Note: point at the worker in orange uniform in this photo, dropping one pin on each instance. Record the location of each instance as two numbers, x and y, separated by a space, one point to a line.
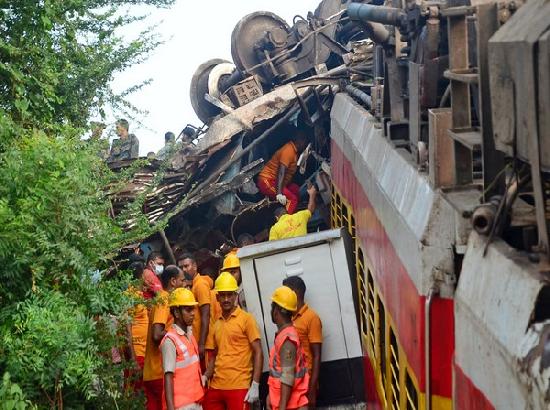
288 377
310 331
290 226
160 320
274 180
232 265
201 290
183 388
137 329
235 353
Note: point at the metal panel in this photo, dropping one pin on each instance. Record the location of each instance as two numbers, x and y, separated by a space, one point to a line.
512 59
494 303
493 160
544 98
323 267
441 148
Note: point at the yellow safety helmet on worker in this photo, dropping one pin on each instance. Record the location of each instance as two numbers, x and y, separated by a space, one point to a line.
285 298
226 283
182 297
231 261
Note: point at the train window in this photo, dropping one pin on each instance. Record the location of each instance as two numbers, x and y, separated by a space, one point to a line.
381 341
362 290
412 393
370 313
395 389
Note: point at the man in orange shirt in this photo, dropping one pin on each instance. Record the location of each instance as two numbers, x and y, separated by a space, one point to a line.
275 178
183 388
201 291
137 330
160 321
310 331
234 351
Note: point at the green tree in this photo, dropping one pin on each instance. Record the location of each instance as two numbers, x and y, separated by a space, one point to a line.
58 324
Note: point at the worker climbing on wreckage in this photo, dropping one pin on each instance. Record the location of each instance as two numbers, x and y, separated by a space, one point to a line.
293 225
275 179
183 382
288 377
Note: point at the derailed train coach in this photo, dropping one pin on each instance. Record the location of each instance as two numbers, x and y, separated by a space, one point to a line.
430 143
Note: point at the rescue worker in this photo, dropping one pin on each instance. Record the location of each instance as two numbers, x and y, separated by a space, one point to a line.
310 331
169 143
126 146
159 321
137 330
183 387
275 179
201 289
290 226
235 354
288 377
232 265
151 273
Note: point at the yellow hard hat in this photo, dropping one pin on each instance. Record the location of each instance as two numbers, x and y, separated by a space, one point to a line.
226 283
182 297
285 298
231 261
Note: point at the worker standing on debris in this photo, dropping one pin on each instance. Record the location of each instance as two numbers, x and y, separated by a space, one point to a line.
126 146
183 387
310 331
159 321
275 179
169 143
232 265
290 226
288 377
235 362
151 273
201 290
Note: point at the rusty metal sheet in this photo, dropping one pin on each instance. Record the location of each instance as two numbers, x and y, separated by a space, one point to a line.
245 118
441 148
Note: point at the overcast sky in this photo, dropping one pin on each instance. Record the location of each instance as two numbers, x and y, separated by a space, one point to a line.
195 31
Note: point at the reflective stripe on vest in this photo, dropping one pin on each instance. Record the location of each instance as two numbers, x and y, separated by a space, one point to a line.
187 374
298 396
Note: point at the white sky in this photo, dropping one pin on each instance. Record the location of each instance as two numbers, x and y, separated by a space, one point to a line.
195 31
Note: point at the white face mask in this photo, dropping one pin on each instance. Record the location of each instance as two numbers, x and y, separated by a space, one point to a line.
159 269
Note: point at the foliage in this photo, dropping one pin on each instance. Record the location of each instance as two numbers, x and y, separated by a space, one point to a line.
58 324
11 395
58 57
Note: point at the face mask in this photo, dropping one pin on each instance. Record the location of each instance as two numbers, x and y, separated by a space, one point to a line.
159 269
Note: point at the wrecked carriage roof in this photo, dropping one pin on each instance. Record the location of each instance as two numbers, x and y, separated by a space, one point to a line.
182 181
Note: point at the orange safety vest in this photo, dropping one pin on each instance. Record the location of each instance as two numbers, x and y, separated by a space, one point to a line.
298 397
187 375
